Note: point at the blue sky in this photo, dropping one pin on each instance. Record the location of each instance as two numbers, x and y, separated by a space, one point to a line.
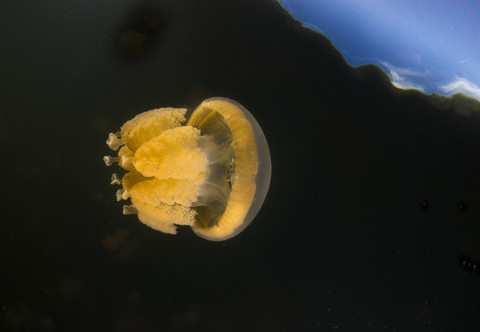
428 45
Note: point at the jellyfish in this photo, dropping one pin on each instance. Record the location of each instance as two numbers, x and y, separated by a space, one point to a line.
211 172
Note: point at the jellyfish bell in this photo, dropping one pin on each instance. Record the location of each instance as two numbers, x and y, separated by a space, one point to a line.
235 133
212 173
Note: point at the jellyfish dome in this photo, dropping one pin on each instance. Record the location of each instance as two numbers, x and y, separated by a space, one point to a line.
211 172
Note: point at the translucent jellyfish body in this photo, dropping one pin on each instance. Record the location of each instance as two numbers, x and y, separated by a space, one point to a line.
211 173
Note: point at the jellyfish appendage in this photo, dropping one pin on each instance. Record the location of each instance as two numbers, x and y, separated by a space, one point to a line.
129 209
115 179
109 160
211 174
114 141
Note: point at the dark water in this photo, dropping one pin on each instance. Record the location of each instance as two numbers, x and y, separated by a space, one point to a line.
372 221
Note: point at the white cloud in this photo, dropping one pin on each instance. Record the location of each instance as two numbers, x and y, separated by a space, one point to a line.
462 85
401 77
408 86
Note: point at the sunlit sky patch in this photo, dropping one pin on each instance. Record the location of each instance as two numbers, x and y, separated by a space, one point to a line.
431 45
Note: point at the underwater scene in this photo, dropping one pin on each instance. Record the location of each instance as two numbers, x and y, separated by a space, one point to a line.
250 165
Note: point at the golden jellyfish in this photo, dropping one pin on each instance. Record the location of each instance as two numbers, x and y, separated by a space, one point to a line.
211 173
